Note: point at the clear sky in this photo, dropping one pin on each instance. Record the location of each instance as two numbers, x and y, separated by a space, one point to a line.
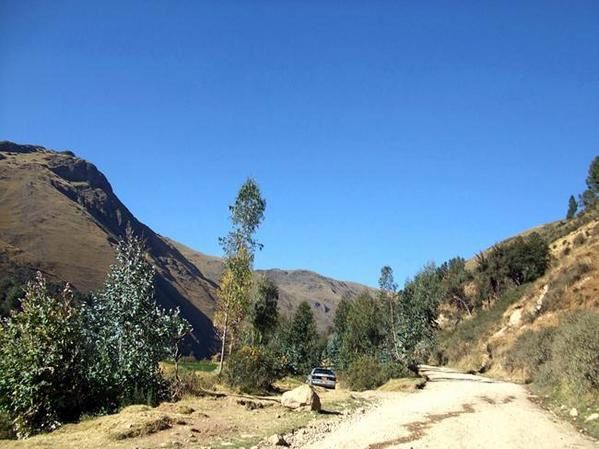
381 132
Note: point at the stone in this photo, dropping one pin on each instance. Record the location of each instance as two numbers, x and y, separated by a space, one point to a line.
573 413
277 440
302 397
592 417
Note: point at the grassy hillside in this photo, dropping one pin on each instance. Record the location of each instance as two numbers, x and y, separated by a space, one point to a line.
521 336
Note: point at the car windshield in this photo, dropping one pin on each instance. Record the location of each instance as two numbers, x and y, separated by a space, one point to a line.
323 371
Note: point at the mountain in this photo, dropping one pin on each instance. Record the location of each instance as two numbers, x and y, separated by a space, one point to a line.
60 215
321 292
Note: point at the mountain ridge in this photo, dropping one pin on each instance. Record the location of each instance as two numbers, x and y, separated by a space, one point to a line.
59 214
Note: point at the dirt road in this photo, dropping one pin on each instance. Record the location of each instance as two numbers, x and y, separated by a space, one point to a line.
456 411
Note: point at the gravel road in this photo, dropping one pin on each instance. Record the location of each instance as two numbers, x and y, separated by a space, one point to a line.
456 411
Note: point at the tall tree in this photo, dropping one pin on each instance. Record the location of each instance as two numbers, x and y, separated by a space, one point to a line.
572 207
589 196
265 315
247 213
418 312
130 333
301 340
388 296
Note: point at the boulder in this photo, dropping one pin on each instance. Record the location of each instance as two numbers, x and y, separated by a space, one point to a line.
303 397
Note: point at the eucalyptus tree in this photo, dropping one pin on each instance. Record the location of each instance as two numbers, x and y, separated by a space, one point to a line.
239 246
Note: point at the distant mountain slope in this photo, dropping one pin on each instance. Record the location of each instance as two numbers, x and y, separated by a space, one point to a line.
321 292
59 214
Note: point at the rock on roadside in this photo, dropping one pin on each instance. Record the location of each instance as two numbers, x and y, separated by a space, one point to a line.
300 398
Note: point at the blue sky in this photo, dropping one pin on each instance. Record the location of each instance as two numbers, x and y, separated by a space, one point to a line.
381 132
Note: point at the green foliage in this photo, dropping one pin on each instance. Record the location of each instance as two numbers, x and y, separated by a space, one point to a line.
365 373
360 329
42 356
589 196
516 262
530 351
11 292
264 314
6 431
572 208
252 369
563 361
60 358
298 344
574 364
454 277
132 335
417 325
247 212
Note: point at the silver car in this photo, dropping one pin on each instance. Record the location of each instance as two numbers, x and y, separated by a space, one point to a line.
322 377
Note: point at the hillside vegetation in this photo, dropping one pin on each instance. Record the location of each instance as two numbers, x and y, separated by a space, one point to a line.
544 332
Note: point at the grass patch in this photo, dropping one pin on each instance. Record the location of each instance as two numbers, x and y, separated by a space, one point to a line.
204 366
406 384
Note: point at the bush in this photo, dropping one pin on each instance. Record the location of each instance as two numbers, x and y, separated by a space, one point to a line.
530 351
42 361
251 369
6 431
367 373
574 364
563 360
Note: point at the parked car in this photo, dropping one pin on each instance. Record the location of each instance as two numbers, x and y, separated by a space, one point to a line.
322 377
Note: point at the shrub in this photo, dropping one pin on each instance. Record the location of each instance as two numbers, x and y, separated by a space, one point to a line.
42 361
365 373
6 431
579 240
574 362
530 351
251 369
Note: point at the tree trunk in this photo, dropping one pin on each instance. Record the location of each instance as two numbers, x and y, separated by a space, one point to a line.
223 343
460 300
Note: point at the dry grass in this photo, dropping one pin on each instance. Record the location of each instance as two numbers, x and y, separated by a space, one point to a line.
403 384
234 421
